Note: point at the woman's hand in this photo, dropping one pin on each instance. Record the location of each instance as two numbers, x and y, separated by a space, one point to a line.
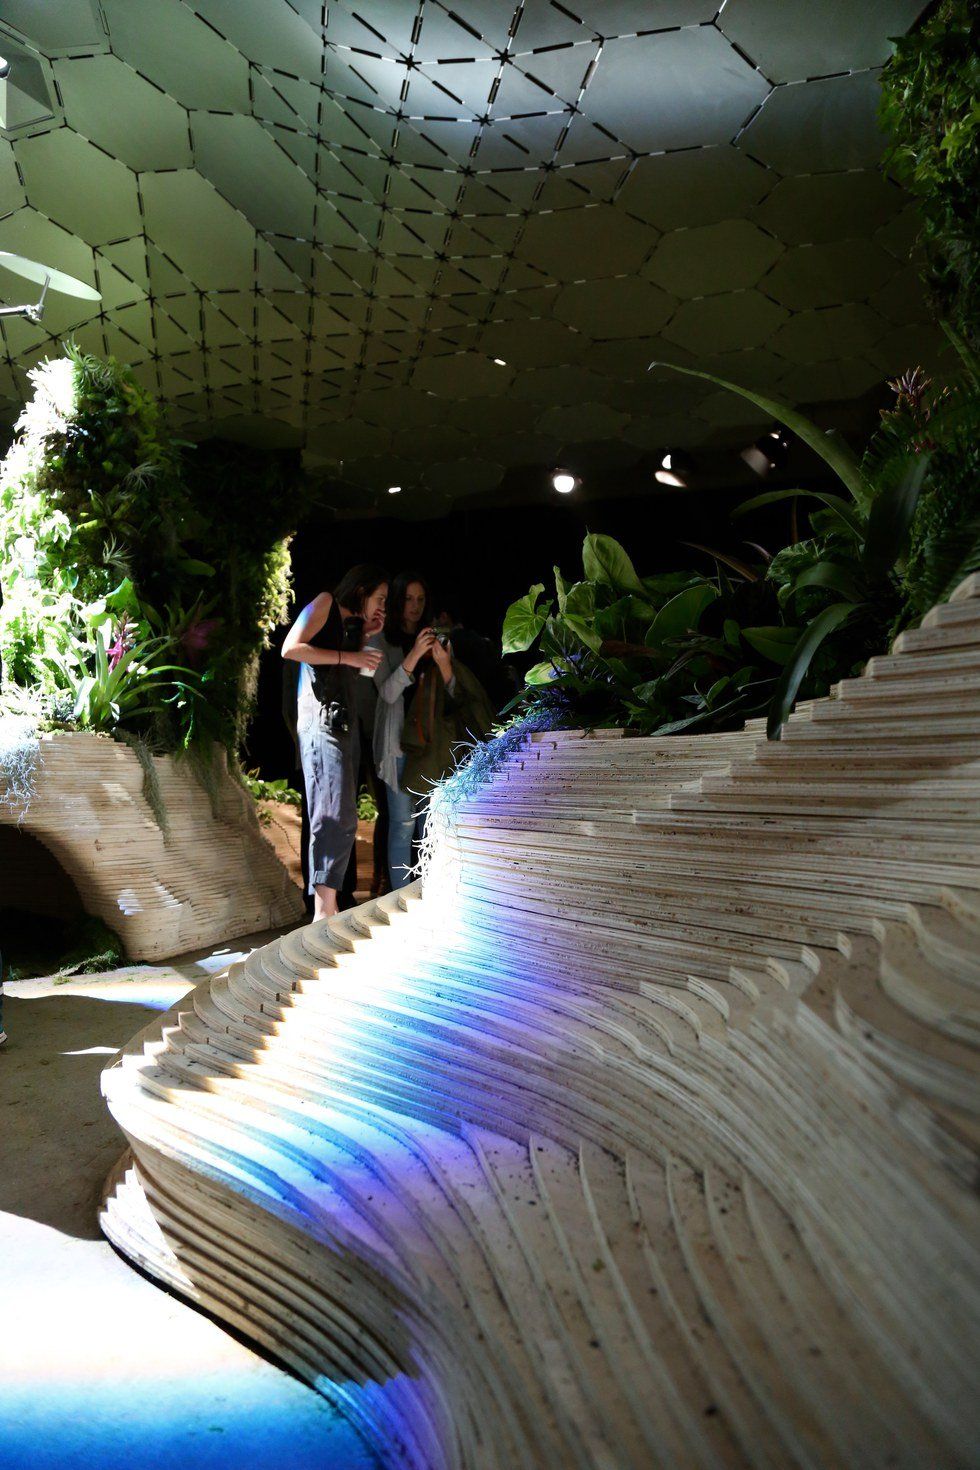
421 648
442 654
362 658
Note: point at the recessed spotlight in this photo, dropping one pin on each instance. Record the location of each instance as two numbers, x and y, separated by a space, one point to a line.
500 362
394 489
674 469
563 482
767 453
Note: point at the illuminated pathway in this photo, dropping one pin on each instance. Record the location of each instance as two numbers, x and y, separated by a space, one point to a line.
98 1368
647 1136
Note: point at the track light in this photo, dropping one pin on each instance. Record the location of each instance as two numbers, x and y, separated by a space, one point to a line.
767 453
675 469
563 482
4 68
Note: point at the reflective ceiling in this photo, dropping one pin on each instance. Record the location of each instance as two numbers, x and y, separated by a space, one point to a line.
432 241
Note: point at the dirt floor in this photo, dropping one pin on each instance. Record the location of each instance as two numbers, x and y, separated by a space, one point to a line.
282 826
98 1366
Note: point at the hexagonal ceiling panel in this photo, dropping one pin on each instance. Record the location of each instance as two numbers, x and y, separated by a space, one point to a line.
431 240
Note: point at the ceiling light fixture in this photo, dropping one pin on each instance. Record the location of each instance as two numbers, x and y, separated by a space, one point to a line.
563 482
500 362
394 489
43 276
675 469
4 68
768 453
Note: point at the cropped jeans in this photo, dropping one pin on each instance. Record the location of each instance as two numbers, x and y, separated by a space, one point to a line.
401 830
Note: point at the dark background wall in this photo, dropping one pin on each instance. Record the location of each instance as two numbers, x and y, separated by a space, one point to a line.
481 559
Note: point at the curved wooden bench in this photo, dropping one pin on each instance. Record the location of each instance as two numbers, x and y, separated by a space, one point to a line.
646 1135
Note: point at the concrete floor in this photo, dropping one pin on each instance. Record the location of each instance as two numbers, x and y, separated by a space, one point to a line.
99 1367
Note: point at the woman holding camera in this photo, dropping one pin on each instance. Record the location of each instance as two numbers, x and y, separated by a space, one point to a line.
408 642
327 641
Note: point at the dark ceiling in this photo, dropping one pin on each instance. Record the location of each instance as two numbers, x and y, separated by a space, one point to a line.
321 225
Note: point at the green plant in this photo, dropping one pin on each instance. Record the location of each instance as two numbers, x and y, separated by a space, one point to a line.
279 790
930 106
115 535
662 653
367 810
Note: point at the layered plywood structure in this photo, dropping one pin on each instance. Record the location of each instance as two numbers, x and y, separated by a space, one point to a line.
646 1135
211 877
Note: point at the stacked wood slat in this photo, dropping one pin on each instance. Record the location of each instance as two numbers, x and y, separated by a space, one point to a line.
212 876
646 1135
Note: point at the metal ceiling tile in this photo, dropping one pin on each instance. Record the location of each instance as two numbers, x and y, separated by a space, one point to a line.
535 343
818 127
582 421
28 232
461 375
205 237
244 163
624 307
270 34
144 127
53 29
461 477
79 186
564 385
169 43
712 258
12 194
572 244
698 186
673 90
843 378
817 207
725 323
829 275
903 299
833 331
835 36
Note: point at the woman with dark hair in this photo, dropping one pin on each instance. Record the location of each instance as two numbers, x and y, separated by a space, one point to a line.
327 641
408 640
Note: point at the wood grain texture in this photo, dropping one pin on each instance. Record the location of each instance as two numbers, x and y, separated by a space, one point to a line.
647 1135
213 877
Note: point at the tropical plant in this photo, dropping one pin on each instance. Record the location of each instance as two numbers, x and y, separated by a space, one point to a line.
279 790
113 535
665 653
685 650
930 106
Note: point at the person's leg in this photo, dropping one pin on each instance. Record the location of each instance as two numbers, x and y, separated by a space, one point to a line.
324 901
331 775
401 827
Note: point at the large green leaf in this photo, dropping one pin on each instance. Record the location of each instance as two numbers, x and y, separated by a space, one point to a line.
833 575
542 673
583 629
604 560
833 450
524 621
845 512
787 687
775 643
891 518
681 614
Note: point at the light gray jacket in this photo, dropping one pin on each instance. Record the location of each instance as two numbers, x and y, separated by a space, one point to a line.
391 681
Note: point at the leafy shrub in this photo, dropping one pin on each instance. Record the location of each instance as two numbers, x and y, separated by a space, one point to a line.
931 108
684 652
140 576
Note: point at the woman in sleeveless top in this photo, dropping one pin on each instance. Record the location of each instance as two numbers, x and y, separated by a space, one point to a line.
327 640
